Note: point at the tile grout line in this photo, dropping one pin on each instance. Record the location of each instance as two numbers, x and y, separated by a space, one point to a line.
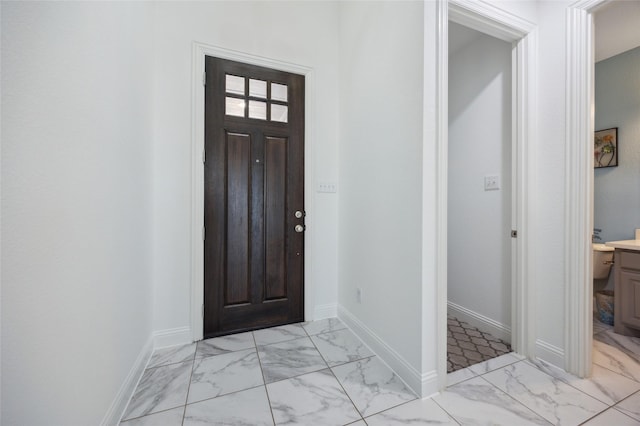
186 398
334 375
526 361
580 390
515 400
264 380
443 409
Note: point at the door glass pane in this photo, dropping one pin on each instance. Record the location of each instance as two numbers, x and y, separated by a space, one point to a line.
258 88
235 85
258 110
279 113
234 106
279 92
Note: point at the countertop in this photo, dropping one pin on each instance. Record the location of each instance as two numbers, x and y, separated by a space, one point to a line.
626 244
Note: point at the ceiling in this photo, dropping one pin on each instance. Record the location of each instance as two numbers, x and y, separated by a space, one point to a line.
460 37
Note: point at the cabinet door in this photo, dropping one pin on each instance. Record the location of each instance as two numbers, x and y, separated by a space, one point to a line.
630 299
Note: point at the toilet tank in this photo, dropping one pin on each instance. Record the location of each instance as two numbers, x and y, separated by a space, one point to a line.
602 260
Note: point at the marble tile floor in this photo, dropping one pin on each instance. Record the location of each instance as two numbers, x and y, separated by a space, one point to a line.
320 373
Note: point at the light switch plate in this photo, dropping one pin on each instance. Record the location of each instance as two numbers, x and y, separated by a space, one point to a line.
330 187
491 183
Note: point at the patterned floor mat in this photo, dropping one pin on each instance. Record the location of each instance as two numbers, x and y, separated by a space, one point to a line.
466 345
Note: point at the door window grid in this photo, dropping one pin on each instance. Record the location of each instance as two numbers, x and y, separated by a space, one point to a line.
256 99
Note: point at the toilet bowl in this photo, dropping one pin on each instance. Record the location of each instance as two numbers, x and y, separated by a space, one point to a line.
602 260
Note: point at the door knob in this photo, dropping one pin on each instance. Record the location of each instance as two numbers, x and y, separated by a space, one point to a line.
299 228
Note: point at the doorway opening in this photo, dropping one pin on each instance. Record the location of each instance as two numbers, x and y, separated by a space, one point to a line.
579 253
616 200
523 38
480 194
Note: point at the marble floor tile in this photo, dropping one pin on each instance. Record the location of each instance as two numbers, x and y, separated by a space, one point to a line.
599 327
288 359
495 363
612 417
283 333
477 402
631 406
323 326
245 408
372 386
159 389
358 423
224 344
171 417
172 355
460 376
549 397
221 374
604 384
418 412
311 399
615 359
341 346
629 345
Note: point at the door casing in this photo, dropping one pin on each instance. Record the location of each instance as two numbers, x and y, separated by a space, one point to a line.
199 51
578 255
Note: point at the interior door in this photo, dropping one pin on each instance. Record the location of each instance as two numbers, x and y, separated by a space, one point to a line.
254 197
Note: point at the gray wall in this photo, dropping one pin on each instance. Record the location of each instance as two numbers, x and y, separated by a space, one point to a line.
617 104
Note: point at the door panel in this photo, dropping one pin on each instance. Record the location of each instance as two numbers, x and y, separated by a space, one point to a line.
275 208
254 170
239 184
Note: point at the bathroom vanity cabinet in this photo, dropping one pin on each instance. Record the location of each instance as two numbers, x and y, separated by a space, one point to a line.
627 292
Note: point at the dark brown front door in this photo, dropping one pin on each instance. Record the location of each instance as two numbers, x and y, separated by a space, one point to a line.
254 197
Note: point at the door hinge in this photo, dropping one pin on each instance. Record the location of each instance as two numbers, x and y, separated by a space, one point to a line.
203 233
203 310
204 78
204 155
514 233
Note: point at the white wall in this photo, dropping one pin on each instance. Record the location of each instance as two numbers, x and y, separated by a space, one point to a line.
380 235
617 104
76 206
548 211
616 28
303 33
479 221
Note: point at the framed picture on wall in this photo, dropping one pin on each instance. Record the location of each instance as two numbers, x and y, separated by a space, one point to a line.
606 148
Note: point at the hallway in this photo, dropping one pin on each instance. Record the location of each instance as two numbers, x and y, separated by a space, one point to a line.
319 373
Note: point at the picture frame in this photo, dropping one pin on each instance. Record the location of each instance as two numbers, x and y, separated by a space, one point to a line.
605 151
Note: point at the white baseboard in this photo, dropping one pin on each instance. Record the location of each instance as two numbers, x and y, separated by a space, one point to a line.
172 337
423 384
120 402
482 323
550 353
330 310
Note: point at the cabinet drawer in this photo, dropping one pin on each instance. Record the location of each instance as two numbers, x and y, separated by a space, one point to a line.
629 260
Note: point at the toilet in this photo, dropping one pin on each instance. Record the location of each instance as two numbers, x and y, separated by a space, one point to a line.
602 260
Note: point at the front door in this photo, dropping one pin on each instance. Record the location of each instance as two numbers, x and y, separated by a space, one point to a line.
254 197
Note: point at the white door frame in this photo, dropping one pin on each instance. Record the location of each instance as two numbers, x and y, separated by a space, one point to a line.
496 22
578 253
199 51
